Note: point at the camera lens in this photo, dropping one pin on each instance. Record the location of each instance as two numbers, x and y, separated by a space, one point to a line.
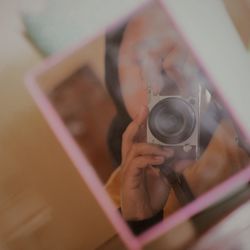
172 120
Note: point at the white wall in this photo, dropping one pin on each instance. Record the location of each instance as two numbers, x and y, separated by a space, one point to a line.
211 32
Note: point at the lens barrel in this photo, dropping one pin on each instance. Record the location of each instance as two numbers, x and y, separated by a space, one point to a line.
172 120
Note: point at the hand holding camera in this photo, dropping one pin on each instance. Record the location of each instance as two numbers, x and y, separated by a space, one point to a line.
144 191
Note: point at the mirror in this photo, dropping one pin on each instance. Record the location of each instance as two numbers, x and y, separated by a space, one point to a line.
148 118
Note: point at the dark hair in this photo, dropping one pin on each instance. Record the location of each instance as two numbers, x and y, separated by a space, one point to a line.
122 118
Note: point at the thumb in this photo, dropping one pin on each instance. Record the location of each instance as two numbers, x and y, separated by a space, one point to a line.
141 116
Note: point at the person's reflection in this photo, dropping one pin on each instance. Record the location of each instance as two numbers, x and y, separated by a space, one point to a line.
142 47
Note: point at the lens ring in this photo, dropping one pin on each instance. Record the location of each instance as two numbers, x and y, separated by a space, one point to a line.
172 120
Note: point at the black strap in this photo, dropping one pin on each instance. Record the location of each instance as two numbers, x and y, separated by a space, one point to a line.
179 184
140 226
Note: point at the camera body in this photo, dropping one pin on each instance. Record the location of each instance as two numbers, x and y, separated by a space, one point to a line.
174 121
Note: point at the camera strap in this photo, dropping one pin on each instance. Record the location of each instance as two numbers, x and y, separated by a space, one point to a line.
179 184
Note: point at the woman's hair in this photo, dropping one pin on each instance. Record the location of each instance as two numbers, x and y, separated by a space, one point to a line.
122 118
113 42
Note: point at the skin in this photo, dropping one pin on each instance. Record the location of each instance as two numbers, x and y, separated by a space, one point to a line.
140 181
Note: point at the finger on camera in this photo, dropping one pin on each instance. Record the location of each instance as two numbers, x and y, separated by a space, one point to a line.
150 149
133 128
128 137
142 115
141 162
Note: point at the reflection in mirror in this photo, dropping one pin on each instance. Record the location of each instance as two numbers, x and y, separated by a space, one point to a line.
87 111
157 134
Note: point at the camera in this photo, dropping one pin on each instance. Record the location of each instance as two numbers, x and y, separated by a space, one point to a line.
173 120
